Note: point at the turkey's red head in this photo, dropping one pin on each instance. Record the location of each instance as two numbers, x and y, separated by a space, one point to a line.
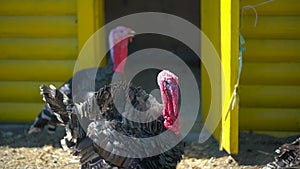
168 83
119 38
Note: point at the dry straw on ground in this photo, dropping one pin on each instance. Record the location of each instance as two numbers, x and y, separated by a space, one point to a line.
21 151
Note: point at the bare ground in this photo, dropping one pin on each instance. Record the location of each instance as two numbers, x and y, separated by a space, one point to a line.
19 150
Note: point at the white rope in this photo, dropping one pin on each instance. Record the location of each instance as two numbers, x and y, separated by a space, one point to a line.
253 7
234 97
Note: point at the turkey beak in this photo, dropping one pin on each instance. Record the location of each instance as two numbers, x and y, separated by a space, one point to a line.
132 33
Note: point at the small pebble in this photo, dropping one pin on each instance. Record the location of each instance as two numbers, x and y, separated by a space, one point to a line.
229 160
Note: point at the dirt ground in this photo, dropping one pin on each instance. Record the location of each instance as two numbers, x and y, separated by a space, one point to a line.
21 151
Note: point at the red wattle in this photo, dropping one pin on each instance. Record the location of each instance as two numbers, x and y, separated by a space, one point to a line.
175 126
171 113
120 55
168 83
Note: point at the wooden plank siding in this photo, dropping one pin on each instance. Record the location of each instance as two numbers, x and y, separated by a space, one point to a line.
220 23
270 91
39 44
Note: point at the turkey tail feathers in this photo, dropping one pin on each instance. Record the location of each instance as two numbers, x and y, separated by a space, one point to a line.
57 101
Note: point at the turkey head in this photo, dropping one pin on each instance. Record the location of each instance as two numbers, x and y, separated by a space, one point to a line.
119 38
168 83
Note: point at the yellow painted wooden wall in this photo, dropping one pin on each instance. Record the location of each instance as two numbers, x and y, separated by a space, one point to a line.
270 81
39 43
229 20
269 89
220 23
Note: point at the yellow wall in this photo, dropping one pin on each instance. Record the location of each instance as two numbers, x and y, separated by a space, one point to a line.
219 21
229 19
210 25
39 43
269 89
270 83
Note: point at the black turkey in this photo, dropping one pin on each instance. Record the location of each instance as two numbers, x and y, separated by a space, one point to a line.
121 125
288 156
118 42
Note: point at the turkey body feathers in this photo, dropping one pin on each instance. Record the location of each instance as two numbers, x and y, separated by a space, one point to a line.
288 156
109 128
79 88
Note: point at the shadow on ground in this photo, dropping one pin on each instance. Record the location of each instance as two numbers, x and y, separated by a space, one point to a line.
254 149
14 135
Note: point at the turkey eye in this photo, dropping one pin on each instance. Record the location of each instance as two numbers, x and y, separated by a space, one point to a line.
168 88
167 85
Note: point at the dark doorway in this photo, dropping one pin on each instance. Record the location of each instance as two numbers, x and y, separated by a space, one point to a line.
188 10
